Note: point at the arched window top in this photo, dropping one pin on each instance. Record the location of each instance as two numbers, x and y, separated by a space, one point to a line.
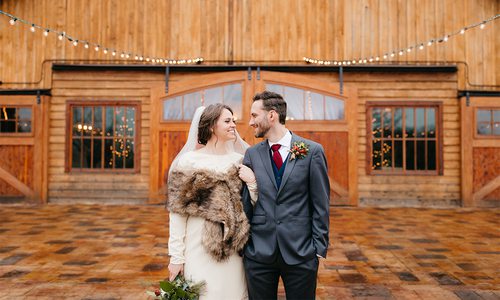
308 105
182 107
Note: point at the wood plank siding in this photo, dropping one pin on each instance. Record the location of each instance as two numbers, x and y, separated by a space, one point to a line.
246 31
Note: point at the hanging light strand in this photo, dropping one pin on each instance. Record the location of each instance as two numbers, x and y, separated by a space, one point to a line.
390 54
123 54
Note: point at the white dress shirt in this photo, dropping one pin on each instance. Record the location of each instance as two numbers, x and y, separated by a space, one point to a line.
285 143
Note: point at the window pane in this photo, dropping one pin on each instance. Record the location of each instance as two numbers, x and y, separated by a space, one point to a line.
483 115
484 128
108 153
410 155
118 153
172 109
376 122
496 115
398 123
87 153
76 154
275 88
387 115
97 127
387 155
24 113
431 155
376 155
410 122
77 121
109 121
212 96
314 106
398 155
87 121
130 121
8 126
496 128
8 113
420 155
191 103
233 98
119 121
420 122
24 126
97 161
334 109
129 156
431 122
295 103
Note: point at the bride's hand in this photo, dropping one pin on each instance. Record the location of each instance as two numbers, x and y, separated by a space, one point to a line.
246 174
174 270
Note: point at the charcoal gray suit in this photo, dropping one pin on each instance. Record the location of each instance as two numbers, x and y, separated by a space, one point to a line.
289 223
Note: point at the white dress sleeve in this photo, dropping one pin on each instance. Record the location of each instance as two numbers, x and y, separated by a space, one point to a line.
254 192
177 231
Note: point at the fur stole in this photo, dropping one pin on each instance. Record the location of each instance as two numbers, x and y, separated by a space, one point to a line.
216 197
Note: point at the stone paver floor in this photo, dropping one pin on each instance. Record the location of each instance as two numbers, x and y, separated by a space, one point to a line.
119 252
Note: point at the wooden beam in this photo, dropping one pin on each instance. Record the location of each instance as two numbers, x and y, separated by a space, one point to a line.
15 183
486 189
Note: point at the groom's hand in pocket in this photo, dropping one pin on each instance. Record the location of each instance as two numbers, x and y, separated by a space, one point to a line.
174 270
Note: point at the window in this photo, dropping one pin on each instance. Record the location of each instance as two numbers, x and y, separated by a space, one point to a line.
488 122
15 119
103 137
182 107
308 105
404 139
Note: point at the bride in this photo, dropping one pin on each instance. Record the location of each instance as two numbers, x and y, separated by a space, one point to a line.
208 226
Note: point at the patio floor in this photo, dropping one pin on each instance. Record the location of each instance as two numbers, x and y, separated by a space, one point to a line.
119 252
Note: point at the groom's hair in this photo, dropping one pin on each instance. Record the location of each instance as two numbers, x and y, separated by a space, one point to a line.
208 119
272 101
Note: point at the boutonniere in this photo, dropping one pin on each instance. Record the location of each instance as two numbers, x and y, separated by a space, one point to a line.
298 150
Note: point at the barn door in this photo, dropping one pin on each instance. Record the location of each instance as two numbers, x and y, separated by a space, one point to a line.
316 111
22 148
481 152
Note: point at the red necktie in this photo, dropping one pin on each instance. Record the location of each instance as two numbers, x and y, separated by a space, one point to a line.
277 156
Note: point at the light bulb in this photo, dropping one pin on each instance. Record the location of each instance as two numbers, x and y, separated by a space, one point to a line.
96 48
75 43
60 37
86 45
392 54
377 58
408 50
46 32
113 53
430 43
482 25
421 46
401 52
105 51
462 31
13 21
445 39
32 29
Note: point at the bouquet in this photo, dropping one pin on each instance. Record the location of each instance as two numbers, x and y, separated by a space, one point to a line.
178 289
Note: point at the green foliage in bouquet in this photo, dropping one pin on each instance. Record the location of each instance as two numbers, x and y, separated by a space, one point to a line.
178 289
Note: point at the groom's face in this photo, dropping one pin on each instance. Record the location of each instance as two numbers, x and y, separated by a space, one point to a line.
259 120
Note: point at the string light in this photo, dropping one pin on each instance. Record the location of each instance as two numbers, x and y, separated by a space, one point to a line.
402 51
87 44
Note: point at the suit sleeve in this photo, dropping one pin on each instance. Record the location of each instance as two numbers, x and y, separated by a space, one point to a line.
320 200
246 198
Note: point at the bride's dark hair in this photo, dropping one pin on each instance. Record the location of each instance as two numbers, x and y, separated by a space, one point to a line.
208 119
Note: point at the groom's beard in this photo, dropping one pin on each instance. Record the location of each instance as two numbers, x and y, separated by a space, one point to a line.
262 129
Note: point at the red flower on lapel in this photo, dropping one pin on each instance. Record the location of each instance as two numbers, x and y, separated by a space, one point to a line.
298 150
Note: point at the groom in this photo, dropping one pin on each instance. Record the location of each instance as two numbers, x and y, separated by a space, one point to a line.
289 223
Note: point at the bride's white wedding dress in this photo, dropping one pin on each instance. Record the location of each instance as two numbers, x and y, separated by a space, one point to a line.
224 280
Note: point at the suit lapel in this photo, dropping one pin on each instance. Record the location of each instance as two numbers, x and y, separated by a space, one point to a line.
266 161
288 167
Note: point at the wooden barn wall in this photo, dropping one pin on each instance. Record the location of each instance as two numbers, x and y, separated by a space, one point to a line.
397 190
98 187
273 31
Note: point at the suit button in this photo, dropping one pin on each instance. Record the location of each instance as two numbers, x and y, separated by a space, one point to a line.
279 222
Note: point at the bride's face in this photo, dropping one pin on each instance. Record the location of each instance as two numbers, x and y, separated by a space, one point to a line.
225 127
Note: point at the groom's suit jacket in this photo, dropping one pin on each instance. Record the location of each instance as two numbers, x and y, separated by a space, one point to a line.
292 219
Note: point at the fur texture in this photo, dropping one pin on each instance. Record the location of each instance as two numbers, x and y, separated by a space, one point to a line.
216 197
